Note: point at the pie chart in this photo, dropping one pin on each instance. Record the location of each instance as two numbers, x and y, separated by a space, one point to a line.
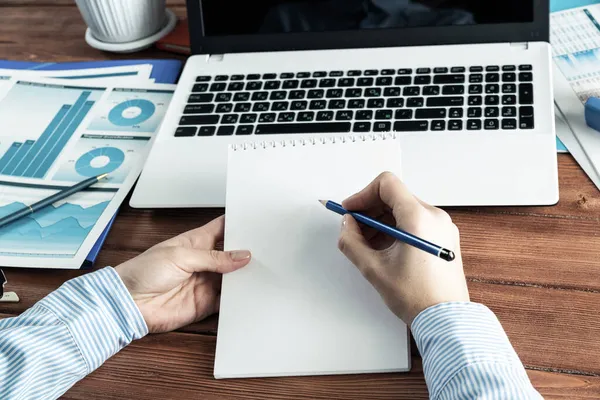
99 161
131 112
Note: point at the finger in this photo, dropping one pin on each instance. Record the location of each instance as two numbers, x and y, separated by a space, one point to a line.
198 260
355 247
385 190
205 237
217 304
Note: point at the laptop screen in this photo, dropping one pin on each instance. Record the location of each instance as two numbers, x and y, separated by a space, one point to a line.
231 17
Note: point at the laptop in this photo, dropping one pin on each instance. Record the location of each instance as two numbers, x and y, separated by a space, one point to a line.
465 84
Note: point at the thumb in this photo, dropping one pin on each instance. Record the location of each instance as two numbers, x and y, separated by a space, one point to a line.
355 247
194 260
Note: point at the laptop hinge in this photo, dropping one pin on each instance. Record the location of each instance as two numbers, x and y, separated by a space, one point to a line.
212 58
519 46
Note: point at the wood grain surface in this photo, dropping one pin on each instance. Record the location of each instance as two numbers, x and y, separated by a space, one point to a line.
537 268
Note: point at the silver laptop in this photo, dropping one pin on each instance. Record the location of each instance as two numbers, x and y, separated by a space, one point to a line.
465 84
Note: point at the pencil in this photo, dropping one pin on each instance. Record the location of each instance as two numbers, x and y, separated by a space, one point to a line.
28 210
396 233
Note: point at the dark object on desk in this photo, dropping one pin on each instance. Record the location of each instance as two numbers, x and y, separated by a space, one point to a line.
2 283
396 233
178 41
50 200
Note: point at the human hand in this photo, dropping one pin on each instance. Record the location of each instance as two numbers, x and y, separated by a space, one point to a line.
178 281
408 279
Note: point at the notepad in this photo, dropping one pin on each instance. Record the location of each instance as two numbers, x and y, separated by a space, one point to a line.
300 307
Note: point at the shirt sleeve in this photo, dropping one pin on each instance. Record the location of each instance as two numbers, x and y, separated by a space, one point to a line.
66 336
467 355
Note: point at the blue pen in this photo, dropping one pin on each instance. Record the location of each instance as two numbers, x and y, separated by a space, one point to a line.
404 237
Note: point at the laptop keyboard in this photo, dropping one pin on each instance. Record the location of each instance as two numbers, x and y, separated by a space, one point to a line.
489 97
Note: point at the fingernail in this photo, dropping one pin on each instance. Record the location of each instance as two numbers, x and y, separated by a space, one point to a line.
344 222
239 255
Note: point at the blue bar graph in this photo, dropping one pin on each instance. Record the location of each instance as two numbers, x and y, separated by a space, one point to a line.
33 159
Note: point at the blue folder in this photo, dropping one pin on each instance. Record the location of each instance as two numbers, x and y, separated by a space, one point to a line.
163 71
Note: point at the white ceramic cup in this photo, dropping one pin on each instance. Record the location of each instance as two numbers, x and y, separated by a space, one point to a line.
122 21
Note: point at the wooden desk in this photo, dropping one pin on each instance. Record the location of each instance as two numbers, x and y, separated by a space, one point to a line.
538 268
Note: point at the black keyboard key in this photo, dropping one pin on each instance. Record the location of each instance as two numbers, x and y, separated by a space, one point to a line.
267 117
492 100
371 72
509 88
422 80
492 68
453 89
260 96
509 112
346 82
278 95
525 76
411 126
318 105
387 72
509 99
375 103
362 127
225 130
475 100
201 98
373 92
417 101
404 114
440 70
362 115
200 88
244 130
395 103
491 124
475 89
297 128
509 68
326 83
438 125
509 77
382 126
279 106
253 77
411 91
402 80
235 86
392 91
336 73
207 130
299 105
199 120
272 85
383 81
404 71
447 101
297 95
431 91
224 108
492 112
383 114
423 70
344 115
509 123
455 125
221 78
476 78
525 93
248 118
492 77
325 116
315 94
356 103
455 113
526 117
430 113
241 96
319 74
243 107
203 78
526 67
199 109
218 87
302 75
306 116
492 88
364 82
354 72
474 124
337 104
448 79
286 75
254 85
261 106
269 76
286 117
309 83
334 93
476 69
291 84
353 92
474 112
457 70
223 97
230 119
183 131
237 77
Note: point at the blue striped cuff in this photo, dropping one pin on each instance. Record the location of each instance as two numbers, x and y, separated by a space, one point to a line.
456 335
99 313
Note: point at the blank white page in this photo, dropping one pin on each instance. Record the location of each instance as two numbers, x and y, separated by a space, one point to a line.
300 307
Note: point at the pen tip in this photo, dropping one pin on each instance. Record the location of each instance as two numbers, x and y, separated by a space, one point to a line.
103 176
324 202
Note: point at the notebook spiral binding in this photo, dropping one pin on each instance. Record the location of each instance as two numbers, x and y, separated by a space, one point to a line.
314 141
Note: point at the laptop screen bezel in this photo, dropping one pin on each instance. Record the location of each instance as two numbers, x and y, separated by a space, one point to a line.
538 30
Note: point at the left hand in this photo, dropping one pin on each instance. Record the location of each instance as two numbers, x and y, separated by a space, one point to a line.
178 281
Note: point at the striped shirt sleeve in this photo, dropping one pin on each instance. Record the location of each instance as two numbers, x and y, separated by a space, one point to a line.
467 355
67 335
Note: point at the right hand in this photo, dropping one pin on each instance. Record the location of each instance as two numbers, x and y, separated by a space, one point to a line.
408 279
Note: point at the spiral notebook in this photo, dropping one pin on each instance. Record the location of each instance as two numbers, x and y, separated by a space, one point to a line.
300 307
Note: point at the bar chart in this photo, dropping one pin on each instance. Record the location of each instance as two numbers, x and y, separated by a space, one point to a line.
33 157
